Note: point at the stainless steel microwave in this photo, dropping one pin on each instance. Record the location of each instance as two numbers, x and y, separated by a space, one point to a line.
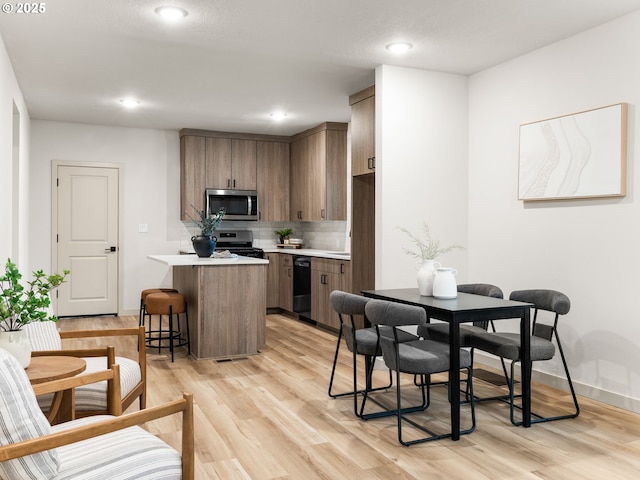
238 204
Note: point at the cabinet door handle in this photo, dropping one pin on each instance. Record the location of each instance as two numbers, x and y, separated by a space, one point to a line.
228 183
322 213
342 268
234 183
299 214
369 163
289 272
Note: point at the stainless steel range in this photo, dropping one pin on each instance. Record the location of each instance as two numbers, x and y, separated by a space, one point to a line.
239 242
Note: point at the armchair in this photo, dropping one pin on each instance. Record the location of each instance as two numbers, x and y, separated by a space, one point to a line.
92 399
89 448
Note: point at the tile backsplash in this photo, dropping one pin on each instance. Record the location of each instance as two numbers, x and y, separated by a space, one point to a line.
328 235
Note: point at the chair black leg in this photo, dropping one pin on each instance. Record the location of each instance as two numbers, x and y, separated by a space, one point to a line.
540 418
427 400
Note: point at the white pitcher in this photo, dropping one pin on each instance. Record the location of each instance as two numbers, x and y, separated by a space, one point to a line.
444 283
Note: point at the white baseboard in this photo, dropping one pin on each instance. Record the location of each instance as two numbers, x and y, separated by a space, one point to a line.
588 391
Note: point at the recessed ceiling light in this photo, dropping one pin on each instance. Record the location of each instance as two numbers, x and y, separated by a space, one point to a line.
171 13
129 102
399 47
278 115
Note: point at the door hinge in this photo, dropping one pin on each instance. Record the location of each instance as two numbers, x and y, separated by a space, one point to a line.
57 182
57 238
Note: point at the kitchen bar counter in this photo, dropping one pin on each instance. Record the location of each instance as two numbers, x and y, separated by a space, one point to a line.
226 301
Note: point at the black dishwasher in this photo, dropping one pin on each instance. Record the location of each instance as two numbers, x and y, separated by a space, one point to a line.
302 287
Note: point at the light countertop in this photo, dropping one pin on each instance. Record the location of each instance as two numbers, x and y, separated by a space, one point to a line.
186 260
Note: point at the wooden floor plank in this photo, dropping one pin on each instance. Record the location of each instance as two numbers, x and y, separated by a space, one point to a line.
268 417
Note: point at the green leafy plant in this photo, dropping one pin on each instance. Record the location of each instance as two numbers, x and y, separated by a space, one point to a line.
285 232
20 305
428 247
207 223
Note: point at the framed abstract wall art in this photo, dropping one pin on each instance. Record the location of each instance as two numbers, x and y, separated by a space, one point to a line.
582 155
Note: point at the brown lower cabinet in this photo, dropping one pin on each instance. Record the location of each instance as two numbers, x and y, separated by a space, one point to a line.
273 280
285 282
327 274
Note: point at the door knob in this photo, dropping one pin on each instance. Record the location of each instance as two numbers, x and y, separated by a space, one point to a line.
110 249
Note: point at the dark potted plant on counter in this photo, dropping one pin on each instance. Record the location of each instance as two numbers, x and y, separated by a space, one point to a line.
21 305
205 243
283 234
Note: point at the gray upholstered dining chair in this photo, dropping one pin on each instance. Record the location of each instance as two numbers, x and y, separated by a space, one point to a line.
507 345
418 357
360 340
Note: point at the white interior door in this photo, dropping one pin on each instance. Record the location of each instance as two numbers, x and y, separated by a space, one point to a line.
87 239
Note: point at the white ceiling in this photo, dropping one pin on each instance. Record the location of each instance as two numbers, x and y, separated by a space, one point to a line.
230 63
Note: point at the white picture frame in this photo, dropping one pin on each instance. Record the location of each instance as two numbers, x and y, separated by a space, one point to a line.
582 155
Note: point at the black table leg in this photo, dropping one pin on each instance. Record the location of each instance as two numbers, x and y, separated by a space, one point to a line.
454 377
525 336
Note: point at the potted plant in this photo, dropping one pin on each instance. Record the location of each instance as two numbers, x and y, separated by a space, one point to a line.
283 234
428 250
205 243
20 305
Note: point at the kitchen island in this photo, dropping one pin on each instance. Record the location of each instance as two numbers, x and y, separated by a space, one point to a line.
226 301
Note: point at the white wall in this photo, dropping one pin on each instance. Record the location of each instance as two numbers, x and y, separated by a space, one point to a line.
421 168
14 194
151 183
587 249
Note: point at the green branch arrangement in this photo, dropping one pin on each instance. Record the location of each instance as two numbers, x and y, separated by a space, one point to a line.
428 247
19 305
207 223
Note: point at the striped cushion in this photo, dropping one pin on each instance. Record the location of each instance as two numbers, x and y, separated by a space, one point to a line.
94 396
43 336
132 453
21 419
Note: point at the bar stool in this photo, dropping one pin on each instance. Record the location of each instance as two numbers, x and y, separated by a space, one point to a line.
169 304
143 297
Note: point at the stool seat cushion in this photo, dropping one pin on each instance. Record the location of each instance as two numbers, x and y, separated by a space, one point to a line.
149 291
164 302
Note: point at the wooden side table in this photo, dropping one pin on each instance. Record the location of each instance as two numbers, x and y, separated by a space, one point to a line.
48 368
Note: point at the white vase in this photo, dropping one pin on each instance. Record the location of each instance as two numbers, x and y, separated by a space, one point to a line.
425 277
17 343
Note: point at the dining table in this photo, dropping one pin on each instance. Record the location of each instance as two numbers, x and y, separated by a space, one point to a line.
465 308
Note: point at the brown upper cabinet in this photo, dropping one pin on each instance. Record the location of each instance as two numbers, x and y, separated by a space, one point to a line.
192 174
231 164
228 160
318 173
273 181
363 126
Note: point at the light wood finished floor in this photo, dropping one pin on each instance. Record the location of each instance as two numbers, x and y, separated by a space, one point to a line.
269 417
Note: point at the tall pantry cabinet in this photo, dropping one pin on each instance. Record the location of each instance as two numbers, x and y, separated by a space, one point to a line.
363 189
